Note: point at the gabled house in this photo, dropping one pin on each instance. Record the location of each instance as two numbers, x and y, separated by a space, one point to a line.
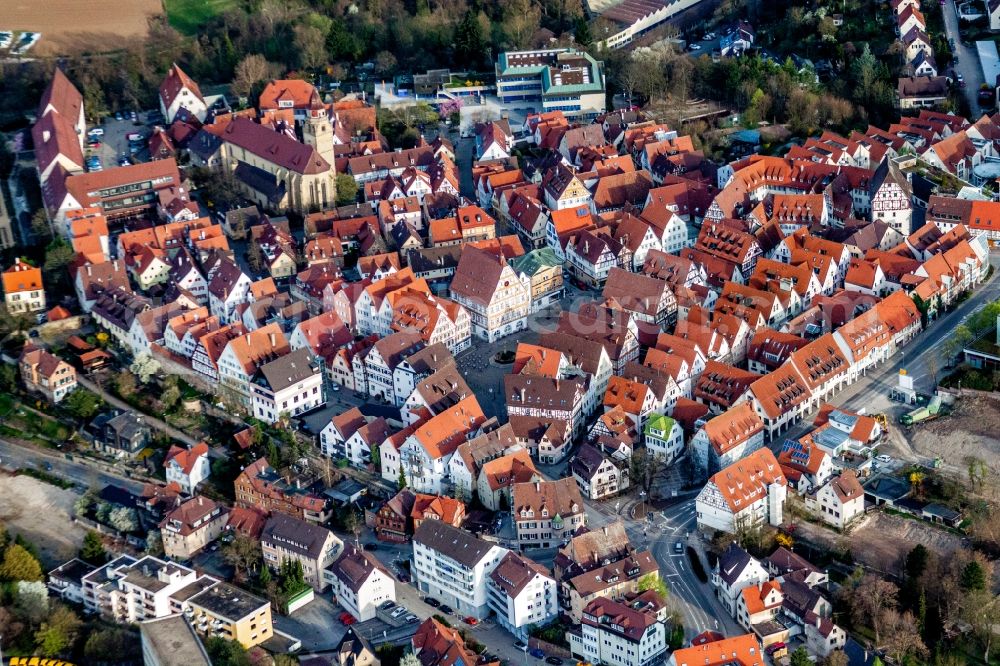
598 476
547 513
46 373
748 493
735 571
727 438
179 91
522 594
188 467
498 476
839 501
497 300
360 583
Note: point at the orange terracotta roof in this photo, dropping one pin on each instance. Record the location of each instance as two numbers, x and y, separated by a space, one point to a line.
746 480
736 651
186 458
733 427
21 277
443 433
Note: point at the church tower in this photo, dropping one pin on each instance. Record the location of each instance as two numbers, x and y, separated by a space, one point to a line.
317 130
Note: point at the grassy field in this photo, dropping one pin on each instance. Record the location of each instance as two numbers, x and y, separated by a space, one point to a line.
187 16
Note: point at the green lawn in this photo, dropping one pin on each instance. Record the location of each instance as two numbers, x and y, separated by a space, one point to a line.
187 16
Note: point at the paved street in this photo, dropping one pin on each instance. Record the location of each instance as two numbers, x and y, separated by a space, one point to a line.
88 475
968 58
872 392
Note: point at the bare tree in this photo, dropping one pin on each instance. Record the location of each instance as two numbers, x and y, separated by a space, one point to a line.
249 72
872 598
902 638
982 612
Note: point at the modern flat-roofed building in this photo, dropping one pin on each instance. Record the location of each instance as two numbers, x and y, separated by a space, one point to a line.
229 612
564 80
171 641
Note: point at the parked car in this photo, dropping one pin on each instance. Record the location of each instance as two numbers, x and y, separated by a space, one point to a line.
884 458
119 116
520 645
346 619
679 548
537 653
471 621
432 602
404 578
399 611
386 605
447 610
555 661
695 47
410 619
370 546
96 131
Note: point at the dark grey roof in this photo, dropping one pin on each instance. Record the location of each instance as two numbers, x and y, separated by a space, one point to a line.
72 571
799 597
942 512
887 487
433 259
228 602
586 462
733 562
128 424
119 307
453 542
205 144
783 561
262 181
288 370
295 535
352 648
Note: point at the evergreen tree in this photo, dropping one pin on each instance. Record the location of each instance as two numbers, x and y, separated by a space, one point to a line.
582 33
265 576
973 577
93 548
401 481
469 43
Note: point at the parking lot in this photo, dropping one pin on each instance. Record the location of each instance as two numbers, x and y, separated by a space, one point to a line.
115 142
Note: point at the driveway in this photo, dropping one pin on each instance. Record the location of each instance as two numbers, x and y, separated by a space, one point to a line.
968 59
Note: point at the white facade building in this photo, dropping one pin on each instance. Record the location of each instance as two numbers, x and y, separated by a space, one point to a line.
360 583
453 566
522 593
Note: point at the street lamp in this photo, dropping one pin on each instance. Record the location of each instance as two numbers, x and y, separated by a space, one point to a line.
642 503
